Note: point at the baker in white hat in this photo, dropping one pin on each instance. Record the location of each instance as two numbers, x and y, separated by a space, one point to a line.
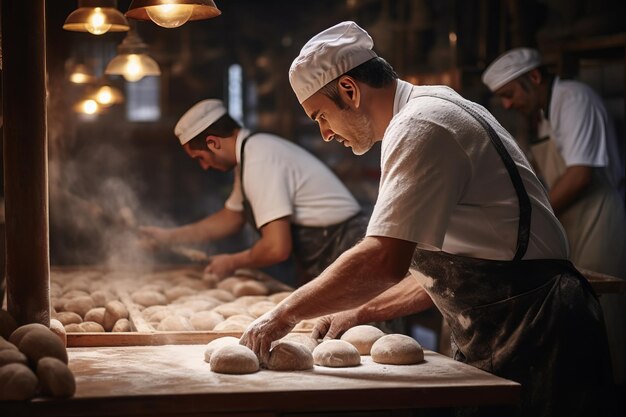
461 210
298 205
577 153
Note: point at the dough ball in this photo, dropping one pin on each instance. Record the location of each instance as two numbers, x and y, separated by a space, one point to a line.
227 284
5 344
177 292
95 314
55 378
279 296
234 359
38 343
7 324
249 288
200 305
73 328
260 308
148 298
215 344
68 295
249 300
230 326
362 337
175 323
68 317
219 294
8 356
122 325
397 349
306 325
113 311
101 298
57 328
230 309
205 320
20 332
290 356
303 339
79 305
336 354
58 303
17 382
91 327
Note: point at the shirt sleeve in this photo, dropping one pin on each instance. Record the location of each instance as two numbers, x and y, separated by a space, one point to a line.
580 132
424 171
235 200
270 190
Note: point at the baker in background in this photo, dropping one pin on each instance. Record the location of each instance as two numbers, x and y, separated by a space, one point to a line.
579 158
297 204
460 208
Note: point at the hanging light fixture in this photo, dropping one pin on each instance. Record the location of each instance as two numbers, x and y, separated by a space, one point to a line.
87 107
106 95
132 61
172 13
96 17
81 75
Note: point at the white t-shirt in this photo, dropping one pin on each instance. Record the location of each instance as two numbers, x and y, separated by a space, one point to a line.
444 186
282 179
582 130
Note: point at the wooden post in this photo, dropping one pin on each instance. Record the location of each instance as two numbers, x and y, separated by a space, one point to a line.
25 160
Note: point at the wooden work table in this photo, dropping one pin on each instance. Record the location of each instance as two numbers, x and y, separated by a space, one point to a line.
174 380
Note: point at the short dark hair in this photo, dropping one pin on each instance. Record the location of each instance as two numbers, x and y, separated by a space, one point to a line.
525 82
223 128
376 73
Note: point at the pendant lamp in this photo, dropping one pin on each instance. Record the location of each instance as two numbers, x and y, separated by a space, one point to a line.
132 61
96 17
172 13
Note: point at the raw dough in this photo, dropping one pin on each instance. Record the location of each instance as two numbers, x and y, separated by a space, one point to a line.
68 317
397 349
113 311
336 354
17 382
79 305
91 327
205 320
122 325
215 344
21 331
95 314
55 378
38 343
260 308
148 298
175 323
12 356
5 344
362 337
234 359
302 338
249 288
290 356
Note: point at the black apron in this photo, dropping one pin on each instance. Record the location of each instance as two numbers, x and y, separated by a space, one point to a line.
536 322
314 248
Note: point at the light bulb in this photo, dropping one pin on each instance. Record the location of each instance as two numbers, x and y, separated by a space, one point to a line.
97 22
104 95
89 106
133 70
170 15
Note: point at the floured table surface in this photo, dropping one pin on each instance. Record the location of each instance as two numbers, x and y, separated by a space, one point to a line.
174 380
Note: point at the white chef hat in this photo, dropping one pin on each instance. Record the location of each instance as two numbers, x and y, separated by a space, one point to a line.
200 116
327 55
509 66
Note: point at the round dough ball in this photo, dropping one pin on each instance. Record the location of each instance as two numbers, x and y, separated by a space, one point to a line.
113 311
200 305
290 356
68 317
306 325
303 339
249 300
215 344
249 288
101 298
362 337
57 328
260 308
122 325
227 284
175 323
20 332
73 328
336 354
5 344
7 324
221 295
55 378
79 305
205 320
68 295
234 359
230 326
17 382
95 314
279 296
38 343
8 356
148 298
230 309
91 327
177 292
397 349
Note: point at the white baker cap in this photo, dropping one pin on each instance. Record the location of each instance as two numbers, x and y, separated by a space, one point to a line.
200 116
509 66
327 55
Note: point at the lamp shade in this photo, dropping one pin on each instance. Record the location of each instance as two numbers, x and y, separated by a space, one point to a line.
132 61
172 13
96 17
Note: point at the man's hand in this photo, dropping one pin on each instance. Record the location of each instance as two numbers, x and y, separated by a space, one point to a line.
263 331
221 266
151 237
333 325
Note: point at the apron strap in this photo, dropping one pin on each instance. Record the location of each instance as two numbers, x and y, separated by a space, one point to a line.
248 213
523 228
